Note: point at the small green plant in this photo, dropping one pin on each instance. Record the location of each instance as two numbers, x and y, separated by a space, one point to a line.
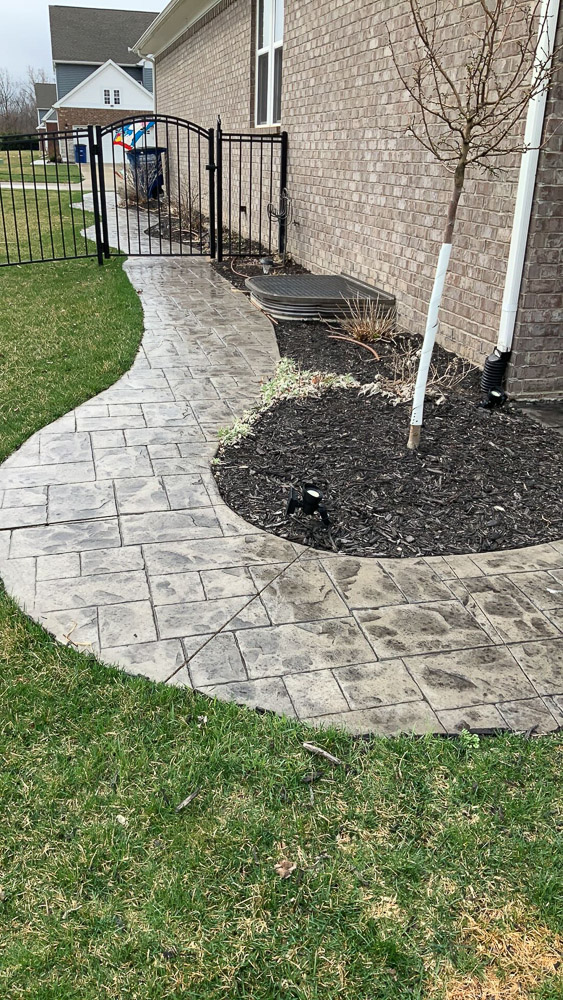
289 382
239 429
469 741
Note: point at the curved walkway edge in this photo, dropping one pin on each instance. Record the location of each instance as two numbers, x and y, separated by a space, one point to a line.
114 537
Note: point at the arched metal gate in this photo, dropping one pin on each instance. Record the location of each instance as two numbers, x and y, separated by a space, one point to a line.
157 186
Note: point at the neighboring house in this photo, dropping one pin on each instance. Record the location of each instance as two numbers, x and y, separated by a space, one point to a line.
82 38
45 97
367 199
121 95
98 79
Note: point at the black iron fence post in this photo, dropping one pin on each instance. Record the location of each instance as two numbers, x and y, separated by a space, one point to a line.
212 171
102 186
93 172
219 172
282 230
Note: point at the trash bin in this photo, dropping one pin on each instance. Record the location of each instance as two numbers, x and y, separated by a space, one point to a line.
145 165
80 153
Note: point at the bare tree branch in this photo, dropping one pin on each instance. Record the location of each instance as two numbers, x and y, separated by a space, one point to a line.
468 111
17 102
477 102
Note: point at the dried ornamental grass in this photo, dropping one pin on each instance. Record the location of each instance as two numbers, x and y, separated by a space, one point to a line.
369 320
399 386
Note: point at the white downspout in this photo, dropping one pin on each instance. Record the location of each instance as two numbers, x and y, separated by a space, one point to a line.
527 180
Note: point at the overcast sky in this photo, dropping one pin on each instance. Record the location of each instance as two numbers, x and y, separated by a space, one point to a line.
24 30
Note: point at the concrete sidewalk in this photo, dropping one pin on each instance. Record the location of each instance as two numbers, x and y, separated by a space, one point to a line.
115 538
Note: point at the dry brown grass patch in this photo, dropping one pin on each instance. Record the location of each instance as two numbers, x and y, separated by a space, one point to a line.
520 957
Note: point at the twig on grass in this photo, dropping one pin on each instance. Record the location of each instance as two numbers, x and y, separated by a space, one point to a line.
322 753
189 798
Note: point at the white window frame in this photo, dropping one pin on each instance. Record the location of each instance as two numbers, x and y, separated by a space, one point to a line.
268 48
117 97
107 97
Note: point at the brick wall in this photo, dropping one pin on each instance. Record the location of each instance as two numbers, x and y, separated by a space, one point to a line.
76 117
367 199
537 362
207 71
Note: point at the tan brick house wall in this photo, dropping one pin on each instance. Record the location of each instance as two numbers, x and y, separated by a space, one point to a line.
367 199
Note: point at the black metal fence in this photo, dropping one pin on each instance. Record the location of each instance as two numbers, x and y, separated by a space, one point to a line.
157 186
251 179
42 211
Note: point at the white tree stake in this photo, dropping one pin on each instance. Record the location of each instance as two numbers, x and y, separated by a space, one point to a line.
428 345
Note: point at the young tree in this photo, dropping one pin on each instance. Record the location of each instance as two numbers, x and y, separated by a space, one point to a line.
17 101
470 115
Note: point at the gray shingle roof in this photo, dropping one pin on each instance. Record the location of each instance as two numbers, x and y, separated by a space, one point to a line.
45 94
88 34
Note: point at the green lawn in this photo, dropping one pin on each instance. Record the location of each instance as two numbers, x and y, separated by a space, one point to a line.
28 167
37 225
67 331
425 869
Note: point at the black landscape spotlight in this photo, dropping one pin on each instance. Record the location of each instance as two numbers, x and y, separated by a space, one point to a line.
495 397
310 502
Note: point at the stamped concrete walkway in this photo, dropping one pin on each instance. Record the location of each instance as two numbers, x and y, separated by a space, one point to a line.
115 538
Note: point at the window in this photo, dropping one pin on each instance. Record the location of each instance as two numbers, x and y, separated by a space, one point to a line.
107 98
269 55
116 97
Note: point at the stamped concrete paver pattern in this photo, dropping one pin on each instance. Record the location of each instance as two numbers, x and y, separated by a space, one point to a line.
113 536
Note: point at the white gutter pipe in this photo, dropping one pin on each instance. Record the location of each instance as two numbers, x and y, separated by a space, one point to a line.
527 180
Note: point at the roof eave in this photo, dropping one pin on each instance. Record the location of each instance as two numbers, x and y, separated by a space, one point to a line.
88 62
170 24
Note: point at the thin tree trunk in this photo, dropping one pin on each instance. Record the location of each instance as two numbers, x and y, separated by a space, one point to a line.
417 413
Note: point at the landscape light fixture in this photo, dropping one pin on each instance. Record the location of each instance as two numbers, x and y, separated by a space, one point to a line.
495 397
267 264
310 502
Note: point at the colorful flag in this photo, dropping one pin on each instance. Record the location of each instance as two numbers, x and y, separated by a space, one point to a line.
130 135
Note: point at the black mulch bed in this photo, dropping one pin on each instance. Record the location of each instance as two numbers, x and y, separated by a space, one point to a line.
176 229
313 346
481 481
237 270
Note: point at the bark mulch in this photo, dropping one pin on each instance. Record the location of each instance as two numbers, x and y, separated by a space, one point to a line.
237 270
482 480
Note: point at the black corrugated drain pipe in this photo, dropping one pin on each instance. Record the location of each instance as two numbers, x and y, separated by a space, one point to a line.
494 370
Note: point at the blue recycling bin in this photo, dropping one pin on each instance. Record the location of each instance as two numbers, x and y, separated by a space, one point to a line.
80 153
146 167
